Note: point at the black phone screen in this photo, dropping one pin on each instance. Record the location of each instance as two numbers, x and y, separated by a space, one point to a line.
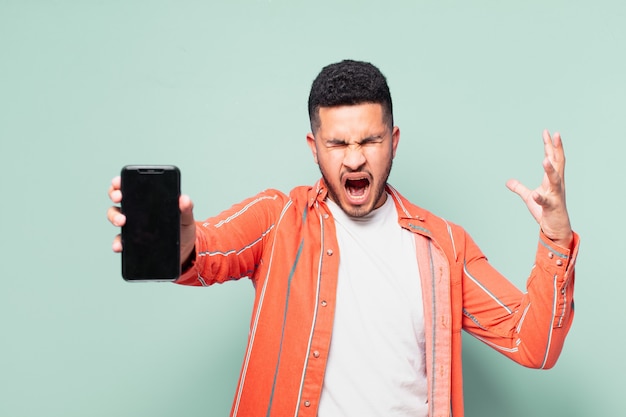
151 235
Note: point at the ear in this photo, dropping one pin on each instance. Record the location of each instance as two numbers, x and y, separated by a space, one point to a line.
310 140
395 139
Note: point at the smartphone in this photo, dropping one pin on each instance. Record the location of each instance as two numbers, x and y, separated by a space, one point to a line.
151 235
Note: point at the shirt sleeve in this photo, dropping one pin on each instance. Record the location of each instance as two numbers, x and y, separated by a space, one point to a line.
230 245
528 326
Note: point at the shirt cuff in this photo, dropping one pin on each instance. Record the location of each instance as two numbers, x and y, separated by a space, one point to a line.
556 259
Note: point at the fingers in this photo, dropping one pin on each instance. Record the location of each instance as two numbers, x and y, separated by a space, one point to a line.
117 244
114 190
548 146
555 177
553 148
526 194
553 165
114 214
529 197
547 202
539 199
116 217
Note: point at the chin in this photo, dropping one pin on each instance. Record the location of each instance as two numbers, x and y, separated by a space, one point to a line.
356 211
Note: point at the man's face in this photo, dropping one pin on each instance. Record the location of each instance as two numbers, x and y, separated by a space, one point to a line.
354 148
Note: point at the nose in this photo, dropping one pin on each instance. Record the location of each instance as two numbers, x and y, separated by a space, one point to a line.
353 157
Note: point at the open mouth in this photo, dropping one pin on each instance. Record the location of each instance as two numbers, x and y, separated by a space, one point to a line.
357 189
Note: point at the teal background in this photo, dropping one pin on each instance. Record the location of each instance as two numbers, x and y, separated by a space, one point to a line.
219 89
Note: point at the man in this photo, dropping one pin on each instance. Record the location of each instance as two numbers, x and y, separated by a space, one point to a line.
360 294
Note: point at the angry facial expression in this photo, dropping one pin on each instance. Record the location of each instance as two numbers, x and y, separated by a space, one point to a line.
354 148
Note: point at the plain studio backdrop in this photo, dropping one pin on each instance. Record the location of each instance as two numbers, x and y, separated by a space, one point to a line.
219 89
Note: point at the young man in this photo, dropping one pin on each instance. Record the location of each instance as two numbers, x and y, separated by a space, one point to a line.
361 295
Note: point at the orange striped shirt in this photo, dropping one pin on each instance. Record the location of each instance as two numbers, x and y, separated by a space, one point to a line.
286 245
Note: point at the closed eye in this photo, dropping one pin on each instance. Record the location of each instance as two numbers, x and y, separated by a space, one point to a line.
336 143
371 140
339 143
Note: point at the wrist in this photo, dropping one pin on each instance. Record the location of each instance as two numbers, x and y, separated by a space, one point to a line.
188 260
564 241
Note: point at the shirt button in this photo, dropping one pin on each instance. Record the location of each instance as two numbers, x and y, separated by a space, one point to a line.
559 262
550 255
326 216
329 252
316 354
324 303
307 403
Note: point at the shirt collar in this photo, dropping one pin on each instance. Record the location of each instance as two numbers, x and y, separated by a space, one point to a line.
410 217
318 192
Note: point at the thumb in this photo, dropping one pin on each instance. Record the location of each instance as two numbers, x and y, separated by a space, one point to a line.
187 227
518 188
186 210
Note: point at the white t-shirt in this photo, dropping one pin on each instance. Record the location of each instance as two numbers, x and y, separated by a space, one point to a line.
376 363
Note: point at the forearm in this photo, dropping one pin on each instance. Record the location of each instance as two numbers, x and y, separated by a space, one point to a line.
229 246
527 326
550 292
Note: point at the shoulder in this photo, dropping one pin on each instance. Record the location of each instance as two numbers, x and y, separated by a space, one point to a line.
447 234
408 209
275 199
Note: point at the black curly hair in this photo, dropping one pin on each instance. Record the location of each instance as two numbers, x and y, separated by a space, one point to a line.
348 83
